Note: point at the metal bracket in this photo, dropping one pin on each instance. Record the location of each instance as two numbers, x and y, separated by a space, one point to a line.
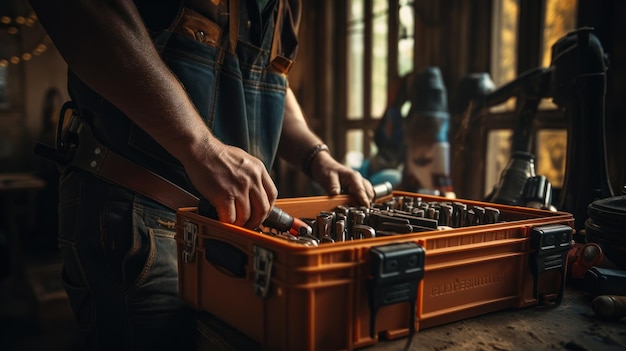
262 266
190 237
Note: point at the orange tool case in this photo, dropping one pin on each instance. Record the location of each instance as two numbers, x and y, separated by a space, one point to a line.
347 295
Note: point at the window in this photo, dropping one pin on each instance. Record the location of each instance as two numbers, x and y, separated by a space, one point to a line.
406 37
504 39
387 39
550 143
367 73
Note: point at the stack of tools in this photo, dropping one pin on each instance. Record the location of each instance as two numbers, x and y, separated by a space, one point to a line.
599 262
607 289
605 226
396 216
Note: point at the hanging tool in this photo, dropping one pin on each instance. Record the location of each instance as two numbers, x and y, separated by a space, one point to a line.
579 86
427 164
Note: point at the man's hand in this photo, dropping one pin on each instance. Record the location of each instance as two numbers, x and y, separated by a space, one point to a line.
234 182
334 177
297 139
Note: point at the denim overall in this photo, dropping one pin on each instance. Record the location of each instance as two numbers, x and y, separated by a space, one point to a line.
118 247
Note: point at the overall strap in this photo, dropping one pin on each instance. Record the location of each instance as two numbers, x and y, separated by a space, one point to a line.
233 24
278 62
278 25
233 27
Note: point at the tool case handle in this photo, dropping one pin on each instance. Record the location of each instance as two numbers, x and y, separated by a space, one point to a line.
226 257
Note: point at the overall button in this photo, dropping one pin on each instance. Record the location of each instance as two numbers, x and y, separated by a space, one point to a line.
199 36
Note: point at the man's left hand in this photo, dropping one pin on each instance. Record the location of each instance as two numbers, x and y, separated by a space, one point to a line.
335 177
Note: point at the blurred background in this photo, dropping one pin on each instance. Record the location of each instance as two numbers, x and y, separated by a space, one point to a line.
399 90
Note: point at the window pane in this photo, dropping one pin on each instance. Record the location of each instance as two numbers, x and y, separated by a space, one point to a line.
504 55
380 57
354 148
560 19
551 155
504 52
498 155
406 35
355 60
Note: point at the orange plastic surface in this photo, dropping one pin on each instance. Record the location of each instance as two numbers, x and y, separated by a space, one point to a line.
317 297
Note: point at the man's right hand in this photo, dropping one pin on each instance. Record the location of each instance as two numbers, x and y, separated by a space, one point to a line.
234 182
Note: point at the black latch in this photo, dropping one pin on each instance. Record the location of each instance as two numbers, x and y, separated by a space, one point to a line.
605 281
396 272
551 244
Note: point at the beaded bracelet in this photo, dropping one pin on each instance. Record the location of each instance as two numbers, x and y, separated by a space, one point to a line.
308 159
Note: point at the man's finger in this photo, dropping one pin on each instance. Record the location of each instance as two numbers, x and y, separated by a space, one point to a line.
369 189
243 211
362 196
227 211
260 207
334 185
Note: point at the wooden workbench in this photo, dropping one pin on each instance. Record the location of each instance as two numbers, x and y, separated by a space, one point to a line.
572 325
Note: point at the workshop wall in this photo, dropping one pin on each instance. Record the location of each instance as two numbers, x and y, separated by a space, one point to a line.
32 68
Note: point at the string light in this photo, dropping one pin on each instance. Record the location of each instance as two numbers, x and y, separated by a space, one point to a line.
14 29
18 21
26 56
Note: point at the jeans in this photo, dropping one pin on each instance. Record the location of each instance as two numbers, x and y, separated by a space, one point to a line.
120 267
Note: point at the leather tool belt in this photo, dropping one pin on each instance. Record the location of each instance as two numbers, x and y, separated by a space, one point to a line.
77 147
95 158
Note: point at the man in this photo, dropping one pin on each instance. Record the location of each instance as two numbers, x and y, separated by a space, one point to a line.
196 92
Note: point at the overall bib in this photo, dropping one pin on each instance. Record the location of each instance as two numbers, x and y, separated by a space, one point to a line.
118 247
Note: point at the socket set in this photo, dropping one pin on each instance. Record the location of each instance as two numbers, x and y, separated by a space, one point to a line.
395 216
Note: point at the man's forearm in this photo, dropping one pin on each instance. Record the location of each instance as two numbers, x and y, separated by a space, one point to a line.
107 46
296 138
296 143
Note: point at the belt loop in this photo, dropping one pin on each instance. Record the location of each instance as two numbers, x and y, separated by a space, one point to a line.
233 24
